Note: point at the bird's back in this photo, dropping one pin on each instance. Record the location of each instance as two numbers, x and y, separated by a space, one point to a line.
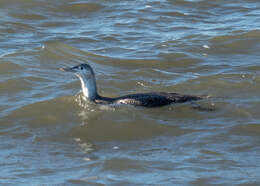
152 99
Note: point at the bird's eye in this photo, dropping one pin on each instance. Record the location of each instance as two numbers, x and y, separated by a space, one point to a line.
81 68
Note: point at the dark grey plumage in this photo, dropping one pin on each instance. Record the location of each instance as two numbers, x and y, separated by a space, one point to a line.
151 99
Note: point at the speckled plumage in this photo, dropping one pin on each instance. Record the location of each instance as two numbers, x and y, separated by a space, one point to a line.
151 99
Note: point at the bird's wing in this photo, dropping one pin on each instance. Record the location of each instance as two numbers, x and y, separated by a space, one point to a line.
152 99
146 99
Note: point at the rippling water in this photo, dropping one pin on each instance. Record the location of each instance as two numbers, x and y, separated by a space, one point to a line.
49 135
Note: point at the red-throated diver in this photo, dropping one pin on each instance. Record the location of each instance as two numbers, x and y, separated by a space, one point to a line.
153 99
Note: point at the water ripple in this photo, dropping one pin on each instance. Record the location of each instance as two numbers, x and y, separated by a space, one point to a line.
188 46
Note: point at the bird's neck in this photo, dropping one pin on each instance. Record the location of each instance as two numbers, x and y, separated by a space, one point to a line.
89 88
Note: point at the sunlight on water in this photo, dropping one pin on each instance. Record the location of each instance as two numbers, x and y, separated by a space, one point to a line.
49 133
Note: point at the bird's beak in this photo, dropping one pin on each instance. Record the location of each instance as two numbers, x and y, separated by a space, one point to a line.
67 70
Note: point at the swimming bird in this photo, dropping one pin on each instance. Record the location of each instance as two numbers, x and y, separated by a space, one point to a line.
152 99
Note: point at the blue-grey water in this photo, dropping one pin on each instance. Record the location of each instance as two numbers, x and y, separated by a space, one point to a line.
50 135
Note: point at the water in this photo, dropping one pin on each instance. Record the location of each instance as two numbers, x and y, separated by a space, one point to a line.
49 135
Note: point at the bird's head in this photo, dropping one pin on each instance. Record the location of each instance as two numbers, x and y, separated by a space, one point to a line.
82 70
87 77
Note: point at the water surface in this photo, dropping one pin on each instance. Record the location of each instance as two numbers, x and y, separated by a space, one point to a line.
49 135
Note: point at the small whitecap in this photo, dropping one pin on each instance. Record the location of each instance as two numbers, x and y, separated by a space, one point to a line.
204 54
206 46
86 147
115 147
148 6
77 139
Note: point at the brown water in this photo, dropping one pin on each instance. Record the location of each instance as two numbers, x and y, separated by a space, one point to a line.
49 135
